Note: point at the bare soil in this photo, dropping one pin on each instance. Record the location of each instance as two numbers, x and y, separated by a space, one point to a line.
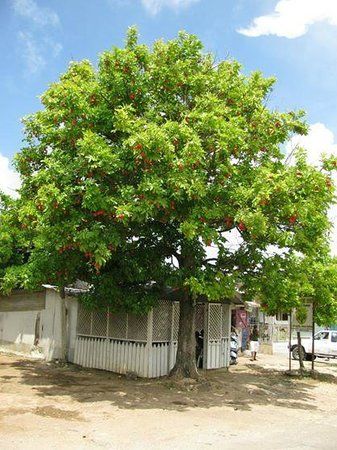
254 404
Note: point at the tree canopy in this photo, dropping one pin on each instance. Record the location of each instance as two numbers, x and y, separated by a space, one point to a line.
132 170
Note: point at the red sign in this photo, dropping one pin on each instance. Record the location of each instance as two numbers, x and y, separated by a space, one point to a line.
241 318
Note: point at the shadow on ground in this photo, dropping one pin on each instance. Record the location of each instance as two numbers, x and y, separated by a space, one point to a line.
239 388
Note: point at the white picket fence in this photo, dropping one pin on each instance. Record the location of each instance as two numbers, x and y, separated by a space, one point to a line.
119 356
217 353
145 360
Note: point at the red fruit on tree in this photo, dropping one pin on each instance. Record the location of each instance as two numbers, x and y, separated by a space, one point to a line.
100 212
241 226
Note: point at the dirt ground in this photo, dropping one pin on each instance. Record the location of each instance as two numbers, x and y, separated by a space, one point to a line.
254 405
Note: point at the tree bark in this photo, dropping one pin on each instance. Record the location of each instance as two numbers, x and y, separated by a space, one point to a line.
300 352
185 365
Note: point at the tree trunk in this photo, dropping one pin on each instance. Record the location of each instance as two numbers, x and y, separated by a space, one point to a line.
300 352
185 366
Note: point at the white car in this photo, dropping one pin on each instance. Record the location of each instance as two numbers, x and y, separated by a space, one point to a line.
325 345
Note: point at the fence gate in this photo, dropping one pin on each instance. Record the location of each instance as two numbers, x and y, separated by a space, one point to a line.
217 335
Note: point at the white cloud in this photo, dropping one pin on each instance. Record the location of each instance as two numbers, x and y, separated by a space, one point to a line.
292 18
9 180
30 10
35 44
55 47
155 6
31 53
319 140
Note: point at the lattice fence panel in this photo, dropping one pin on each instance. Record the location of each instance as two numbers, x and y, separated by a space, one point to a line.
99 323
175 324
225 320
162 318
215 321
199 317
83 320
137 327
118 325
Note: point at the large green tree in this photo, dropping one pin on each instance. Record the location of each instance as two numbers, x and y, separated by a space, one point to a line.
131 171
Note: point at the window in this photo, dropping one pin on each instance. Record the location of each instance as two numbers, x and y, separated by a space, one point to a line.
334 336
322 335
282 317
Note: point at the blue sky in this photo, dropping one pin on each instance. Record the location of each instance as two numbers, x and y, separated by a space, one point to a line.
295 40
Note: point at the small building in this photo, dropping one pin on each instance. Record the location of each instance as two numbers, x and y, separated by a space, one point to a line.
44 324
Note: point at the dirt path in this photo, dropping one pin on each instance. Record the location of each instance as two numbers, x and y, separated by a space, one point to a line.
255 404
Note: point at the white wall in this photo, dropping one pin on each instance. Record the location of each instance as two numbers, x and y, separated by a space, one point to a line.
17 328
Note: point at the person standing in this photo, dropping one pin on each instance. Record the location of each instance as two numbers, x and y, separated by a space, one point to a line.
199 351
254 343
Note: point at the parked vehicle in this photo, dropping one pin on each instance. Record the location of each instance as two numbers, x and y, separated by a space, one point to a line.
234 348
325 346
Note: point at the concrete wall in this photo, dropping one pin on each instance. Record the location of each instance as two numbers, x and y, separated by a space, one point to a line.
72 311
38 331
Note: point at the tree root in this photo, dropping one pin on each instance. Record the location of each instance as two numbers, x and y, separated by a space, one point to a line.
182 372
